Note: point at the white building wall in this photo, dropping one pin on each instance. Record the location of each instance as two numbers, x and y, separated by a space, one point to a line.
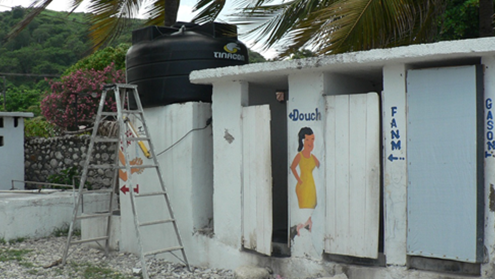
227 101
187 173
395 171
306 97
489 111
12 151
308 80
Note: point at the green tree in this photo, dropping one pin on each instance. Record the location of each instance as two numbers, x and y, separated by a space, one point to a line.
255 57
101 59
21 98
461 20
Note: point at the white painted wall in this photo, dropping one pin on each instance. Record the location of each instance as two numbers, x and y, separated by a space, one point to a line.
394 172
488 113
38 215
227 101
12 151
187 172
305 97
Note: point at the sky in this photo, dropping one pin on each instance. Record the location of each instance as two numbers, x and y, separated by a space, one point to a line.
185 14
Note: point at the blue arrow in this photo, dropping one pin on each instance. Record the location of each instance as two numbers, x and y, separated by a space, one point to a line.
392 158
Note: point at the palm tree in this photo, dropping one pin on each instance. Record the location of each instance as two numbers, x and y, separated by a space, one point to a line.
336 26
325 26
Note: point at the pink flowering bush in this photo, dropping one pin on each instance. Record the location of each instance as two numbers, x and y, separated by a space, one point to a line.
58 107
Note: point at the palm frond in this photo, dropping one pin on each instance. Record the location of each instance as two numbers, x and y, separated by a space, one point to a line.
366 24
155 13
209 10
37 7
74 5
275 22
109 18
335 26
162 12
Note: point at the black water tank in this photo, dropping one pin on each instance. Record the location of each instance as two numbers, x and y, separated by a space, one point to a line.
161 59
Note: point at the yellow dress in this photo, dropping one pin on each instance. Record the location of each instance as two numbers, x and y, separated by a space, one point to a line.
306 191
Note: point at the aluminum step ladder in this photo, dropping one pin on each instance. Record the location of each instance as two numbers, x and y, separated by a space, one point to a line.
128 106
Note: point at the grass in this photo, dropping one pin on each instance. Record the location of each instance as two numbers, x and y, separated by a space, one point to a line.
17 240
64 231
12 254
12 241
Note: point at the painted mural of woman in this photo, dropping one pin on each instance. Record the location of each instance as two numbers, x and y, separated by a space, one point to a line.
305 188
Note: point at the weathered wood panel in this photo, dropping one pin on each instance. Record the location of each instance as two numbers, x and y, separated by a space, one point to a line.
257 180
353 182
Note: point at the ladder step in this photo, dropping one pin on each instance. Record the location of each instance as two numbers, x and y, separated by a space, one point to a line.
142 166
106 166
107 140
86 191
97 215
121 85
105 191
113 166
150 194
108 113
136 139
118 140
156 222
151 253
89 240
132 111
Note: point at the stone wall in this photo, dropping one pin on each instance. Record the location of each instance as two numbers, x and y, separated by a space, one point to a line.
44 157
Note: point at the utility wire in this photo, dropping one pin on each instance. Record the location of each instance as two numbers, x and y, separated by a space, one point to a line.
208 123
28 75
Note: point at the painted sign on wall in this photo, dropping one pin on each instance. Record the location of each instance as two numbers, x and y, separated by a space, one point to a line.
395 139
296 115
490 142
306 162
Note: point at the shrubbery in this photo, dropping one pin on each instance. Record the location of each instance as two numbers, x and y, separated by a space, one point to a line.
59 106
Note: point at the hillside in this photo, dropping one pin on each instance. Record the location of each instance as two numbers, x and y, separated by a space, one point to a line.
49 45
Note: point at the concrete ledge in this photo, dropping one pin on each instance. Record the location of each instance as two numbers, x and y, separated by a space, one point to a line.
37 215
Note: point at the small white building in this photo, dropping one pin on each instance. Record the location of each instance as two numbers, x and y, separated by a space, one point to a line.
393 179
12 147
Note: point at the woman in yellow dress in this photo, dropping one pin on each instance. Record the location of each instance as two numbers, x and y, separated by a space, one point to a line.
305 188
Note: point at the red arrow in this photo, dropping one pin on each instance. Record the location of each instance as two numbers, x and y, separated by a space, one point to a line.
125 189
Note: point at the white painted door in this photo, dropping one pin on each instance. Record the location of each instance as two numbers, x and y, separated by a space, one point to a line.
352 143
445 200
257 180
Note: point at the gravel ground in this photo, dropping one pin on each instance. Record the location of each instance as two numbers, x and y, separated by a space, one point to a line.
40 258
